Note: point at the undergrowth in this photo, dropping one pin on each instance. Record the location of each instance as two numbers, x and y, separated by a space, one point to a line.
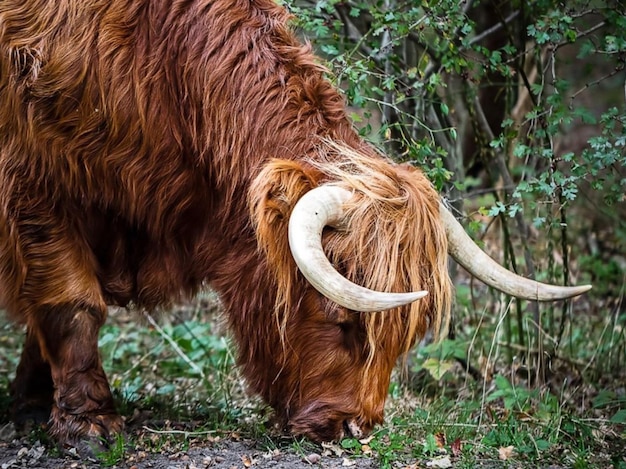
457 402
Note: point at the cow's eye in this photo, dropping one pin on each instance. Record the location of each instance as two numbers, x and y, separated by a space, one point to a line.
347 327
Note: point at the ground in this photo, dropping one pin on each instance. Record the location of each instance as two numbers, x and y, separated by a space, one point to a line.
215 453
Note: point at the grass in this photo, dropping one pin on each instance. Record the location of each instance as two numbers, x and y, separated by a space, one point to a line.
114 454
175 383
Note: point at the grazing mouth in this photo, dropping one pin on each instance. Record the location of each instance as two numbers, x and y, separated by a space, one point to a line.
353 429
322 423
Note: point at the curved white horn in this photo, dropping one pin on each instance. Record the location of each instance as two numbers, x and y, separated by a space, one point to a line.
463 249
322 207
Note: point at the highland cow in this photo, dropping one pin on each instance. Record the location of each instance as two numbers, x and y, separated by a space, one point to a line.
151 147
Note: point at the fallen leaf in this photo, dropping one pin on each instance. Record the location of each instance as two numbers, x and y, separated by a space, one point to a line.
505 453
486 367
441 462
440 439
455 447
331 449
247 460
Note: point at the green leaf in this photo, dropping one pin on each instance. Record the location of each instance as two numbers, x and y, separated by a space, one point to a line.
497 209
350 443
542 445
437 368
619 417
502 383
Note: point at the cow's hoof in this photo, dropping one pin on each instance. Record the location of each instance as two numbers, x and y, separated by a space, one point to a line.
89 449
88 434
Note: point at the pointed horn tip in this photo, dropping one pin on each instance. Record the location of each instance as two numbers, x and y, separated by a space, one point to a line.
393 300
579 290
418 295
558 293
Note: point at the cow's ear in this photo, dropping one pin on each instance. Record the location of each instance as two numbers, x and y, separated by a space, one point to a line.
277 188
272 196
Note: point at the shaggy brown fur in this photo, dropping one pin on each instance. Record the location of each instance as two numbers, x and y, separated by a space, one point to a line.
148 147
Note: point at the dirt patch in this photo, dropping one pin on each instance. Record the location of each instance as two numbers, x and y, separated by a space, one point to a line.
217 453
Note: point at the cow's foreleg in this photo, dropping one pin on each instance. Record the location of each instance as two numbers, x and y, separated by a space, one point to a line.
54 287
83 406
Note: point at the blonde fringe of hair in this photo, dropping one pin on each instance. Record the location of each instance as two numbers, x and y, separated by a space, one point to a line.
393 240
393 224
